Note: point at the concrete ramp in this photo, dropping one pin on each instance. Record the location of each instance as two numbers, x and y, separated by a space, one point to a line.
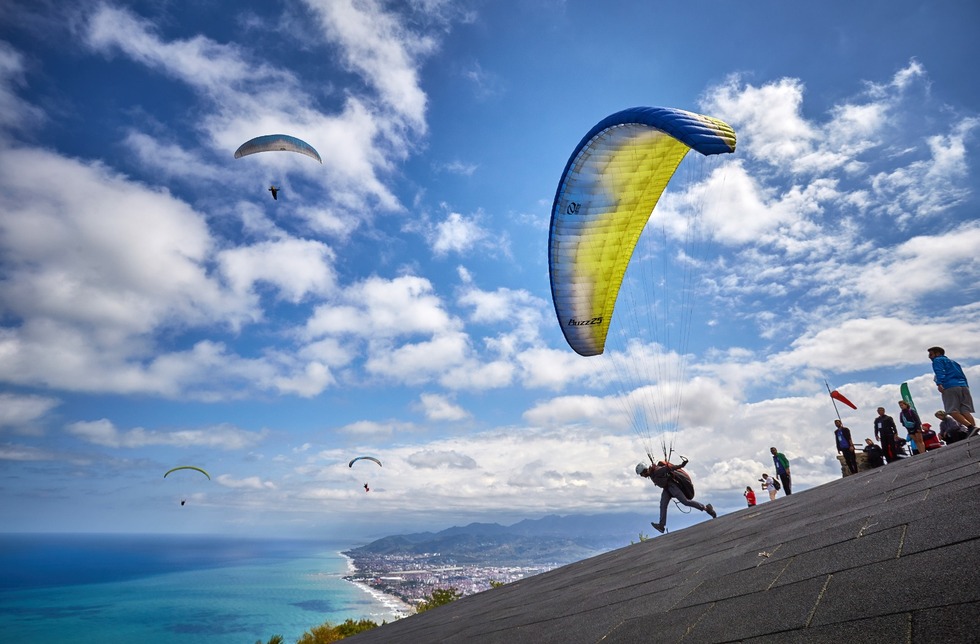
886 555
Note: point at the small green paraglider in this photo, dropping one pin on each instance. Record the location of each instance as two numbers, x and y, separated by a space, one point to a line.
186 467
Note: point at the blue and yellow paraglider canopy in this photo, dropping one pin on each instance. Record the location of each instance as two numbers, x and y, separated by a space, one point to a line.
607 193
277 142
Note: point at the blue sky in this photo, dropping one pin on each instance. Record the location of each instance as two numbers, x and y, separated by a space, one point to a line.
158 308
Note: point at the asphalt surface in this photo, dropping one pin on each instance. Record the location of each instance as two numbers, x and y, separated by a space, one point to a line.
885 555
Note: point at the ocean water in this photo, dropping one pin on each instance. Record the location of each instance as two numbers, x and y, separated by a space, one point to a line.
162 589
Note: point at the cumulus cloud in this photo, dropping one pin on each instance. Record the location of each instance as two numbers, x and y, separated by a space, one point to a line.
431 459
370 132
439 407
376 429
103 432
381 308
22 411
456 234
296 267
247 483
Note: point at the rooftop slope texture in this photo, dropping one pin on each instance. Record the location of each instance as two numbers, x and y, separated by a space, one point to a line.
886 555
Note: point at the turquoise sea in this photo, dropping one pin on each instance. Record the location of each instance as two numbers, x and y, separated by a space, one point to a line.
156 589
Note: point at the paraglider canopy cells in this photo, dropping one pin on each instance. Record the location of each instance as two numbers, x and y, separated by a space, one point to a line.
187 467
606 194
363 458
274 143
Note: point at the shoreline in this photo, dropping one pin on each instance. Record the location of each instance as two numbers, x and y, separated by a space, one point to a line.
394 604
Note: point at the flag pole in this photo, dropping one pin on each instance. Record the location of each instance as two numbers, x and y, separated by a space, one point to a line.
837 411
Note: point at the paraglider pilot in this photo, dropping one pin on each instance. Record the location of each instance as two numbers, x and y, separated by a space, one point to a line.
666 476
366 488
275 192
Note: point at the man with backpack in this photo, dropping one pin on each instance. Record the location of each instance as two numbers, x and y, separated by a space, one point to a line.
770 485
676 484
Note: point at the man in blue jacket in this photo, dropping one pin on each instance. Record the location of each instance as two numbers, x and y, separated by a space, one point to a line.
952 384
845 445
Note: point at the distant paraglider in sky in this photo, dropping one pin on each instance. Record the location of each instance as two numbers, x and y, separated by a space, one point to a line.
605 199
186 467
277 142
275 192
364 458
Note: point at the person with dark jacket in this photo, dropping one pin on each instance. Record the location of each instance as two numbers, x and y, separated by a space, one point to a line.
875 455
665 476
910 421
845 445
886 432
950 430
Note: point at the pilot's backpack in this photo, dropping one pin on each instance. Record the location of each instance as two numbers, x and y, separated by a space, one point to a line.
684 482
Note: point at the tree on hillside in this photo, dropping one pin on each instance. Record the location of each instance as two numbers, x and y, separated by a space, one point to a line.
275 639
439 597
326 633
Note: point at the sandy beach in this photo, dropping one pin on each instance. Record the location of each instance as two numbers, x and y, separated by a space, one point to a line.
392 603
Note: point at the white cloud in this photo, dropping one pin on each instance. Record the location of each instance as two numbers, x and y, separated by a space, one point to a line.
247 483
457 167
104 432
169 159
768 120
375 43
10 452
418 362
297 267
369 132
20 411
94 248
15 113
380 308
456 234
432 459
376 429
441 408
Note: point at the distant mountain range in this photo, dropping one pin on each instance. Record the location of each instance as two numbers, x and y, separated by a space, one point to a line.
551 539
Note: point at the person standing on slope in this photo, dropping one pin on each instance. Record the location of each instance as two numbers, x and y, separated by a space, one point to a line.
666 476
782 470
845 445
910 421
769 485
952 384
886 432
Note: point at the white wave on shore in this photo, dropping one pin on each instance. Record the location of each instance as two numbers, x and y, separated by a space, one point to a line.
392 603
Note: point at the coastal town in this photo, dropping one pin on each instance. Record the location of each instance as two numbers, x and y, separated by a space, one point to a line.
412 577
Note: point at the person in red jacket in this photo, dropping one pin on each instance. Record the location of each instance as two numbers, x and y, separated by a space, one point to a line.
749 495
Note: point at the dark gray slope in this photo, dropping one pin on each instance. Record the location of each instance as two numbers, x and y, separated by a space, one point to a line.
887 555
